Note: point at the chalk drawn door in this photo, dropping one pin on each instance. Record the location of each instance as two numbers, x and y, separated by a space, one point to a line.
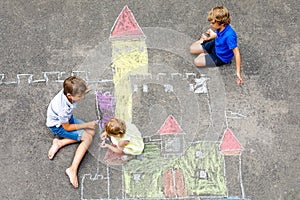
173 183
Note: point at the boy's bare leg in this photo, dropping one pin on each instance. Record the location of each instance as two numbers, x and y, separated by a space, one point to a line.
199 61
196 47
57 144
86 141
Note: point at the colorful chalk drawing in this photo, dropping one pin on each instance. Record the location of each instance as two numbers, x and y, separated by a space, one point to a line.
126 26
230 145
173 165
170 126
105 104
129 55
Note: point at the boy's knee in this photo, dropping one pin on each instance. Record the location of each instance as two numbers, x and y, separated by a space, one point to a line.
192 51
199 62
87 136
90 132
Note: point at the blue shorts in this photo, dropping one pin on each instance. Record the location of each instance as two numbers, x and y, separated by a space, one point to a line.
211 59
74 135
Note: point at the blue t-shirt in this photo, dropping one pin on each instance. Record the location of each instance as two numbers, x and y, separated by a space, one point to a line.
225 42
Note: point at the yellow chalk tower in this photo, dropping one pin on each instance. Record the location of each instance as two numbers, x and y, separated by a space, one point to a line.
129 56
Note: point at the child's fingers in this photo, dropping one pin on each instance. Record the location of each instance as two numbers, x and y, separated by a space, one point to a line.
103 136
103 144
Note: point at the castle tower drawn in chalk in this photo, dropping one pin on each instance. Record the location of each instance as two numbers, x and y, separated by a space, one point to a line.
129 56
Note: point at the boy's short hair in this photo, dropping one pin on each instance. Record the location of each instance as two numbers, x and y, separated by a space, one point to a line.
219 14
75 85
115 127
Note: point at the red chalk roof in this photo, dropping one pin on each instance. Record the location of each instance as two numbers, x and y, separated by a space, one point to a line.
229 142
170 126
126 25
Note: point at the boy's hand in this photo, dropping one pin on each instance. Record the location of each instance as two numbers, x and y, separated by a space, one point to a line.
208 35
91 125
239 79
204 37
211 33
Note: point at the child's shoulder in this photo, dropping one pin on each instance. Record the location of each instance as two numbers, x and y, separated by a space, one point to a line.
132 130
61 100
231 29
229 32
131 127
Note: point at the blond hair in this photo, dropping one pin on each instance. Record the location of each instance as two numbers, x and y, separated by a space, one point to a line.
219 14
115 127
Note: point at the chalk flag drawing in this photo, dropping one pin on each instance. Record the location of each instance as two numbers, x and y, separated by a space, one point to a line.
105 106
168 168
129 56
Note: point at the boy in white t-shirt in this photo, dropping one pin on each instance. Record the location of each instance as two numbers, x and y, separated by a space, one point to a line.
61 122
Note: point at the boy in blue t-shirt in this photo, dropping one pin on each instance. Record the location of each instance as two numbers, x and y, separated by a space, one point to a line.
61 122
218 48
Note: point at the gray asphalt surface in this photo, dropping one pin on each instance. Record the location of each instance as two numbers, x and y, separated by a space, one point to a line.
59 36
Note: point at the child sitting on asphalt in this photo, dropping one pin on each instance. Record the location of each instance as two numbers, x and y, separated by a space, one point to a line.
125 137
61 122
218 48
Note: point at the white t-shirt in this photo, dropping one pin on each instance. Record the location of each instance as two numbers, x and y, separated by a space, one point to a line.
59 110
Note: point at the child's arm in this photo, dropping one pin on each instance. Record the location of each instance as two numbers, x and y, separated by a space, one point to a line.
119 149
72 127
122 144
209 35
237 56
114 149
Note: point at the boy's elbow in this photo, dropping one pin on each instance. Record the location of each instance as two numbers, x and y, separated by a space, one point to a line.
67 127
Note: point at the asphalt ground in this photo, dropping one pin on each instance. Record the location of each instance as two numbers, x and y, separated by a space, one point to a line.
63 36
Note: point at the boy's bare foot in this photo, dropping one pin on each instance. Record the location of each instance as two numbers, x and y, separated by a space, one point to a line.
73 177
53 149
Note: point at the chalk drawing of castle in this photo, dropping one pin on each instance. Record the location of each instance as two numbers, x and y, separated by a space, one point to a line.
171 166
